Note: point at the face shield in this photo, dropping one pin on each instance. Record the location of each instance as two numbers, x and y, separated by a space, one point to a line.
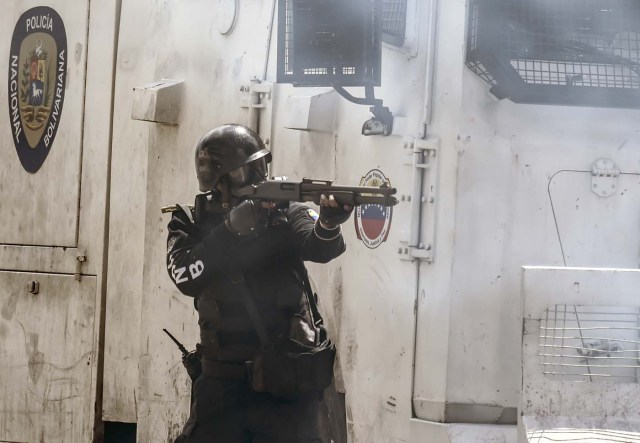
248 174
205 171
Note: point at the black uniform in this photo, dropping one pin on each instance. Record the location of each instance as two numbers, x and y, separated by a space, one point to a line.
202 258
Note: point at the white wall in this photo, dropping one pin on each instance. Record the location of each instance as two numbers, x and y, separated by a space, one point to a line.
495 162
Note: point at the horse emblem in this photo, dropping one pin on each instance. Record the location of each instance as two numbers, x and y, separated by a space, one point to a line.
35 97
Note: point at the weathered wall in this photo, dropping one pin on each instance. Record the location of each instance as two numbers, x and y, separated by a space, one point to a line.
153 166
370 293
512 180
511 152
50 338
505 186
494 167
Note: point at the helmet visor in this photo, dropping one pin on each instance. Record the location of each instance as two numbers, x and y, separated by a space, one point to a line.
248 174
205 170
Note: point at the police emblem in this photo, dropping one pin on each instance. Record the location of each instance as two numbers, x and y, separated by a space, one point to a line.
37 77
373 221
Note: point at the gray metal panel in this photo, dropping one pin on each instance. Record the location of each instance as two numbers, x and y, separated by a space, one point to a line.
597 231
43 208
47 355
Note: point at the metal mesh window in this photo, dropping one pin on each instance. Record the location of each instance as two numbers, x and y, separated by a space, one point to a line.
329 42
394 21
584 52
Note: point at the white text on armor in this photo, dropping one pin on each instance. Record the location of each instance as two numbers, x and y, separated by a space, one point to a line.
196 269
177 273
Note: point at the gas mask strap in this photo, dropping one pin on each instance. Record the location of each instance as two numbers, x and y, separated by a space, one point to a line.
225 194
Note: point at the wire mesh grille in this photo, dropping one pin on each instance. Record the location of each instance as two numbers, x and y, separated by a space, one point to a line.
576 74
394 17
573 44
590 344
474 63
287 54
578 435
328 42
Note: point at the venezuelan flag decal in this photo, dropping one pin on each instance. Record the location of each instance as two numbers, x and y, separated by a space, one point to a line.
313 214
373 221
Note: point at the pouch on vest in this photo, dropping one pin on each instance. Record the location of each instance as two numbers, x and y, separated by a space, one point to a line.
289 374
293 368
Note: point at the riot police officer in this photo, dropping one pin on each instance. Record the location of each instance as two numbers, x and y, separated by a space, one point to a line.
223 237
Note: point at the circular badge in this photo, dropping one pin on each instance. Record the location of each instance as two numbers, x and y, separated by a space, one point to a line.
373 221
37 79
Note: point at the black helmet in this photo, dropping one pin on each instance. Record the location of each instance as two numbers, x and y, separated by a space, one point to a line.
234 151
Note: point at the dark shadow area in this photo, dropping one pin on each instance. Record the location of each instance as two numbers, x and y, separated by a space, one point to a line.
116 432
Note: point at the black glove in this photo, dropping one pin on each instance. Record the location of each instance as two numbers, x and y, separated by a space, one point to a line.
192 364
245 219
331 217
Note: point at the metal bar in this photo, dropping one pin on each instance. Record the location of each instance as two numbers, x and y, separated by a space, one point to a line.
586 349
597 338
416 197
581 357
541 336
555 322
569 365
594 328
565 322
588 375
575 310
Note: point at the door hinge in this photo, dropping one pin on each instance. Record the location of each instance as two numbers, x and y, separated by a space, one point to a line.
258 101
420 242
259 92
604 177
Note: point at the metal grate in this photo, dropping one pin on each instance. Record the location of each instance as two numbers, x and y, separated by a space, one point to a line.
329 42
474 64
584 52
590 344
394 21
580 435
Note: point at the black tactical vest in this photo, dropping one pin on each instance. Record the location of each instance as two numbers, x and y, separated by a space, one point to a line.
226 331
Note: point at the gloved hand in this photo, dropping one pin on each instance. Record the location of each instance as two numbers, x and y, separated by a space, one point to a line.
331 213
244 219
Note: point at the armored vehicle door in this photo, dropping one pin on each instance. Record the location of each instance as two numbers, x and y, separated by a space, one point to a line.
53 181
